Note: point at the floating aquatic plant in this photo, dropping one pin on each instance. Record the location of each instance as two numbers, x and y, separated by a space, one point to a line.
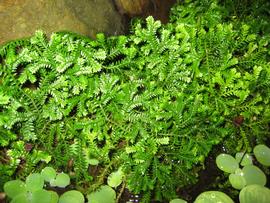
262 154
72 196
254 193
115 178
14 187
237 179
250 179
32 190
227 163
243 158
213 197
178 201
249 174
104 194
254 175
61 180
48 173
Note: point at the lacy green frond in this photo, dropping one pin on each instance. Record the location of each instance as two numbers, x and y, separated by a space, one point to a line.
155 102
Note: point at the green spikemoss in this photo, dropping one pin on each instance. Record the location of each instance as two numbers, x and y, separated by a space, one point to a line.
154 102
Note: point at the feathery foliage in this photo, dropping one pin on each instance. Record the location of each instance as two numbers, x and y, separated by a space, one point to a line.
154 103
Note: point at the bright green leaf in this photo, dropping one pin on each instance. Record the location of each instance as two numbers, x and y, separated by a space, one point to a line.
21 198
100 54
115 178
254 175
62 180
4 99
245 159
93 162
54 196
226 163
34 182
163 141
254 194
72 196
237 179
48 173
44 196
262 154
14 187
102 195
178 201
213 197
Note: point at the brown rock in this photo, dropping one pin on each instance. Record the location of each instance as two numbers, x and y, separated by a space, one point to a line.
2 197
132 7
159 9
21 18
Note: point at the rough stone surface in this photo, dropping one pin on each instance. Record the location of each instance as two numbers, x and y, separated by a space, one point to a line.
159 9
21 18
131 7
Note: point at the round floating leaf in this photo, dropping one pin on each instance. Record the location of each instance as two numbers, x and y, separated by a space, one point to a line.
262 154
21 198
254 175
237 180
104 194
44 196
54 197
34 182
72 196
93 162
14 187
213 197
115 178
61 180
226 163
245 159
48 173
178 201
254 194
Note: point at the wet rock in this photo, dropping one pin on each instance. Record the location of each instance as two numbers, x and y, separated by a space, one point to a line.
131 7
159 9
21 18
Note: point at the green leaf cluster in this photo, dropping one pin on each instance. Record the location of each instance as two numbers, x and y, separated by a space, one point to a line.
31 191
251 180
154 103
249 174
